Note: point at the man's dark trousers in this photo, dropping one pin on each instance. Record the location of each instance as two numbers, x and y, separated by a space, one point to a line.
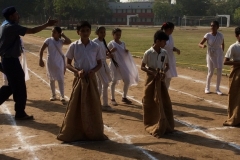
16 85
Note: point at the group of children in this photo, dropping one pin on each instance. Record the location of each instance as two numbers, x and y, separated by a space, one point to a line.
83 118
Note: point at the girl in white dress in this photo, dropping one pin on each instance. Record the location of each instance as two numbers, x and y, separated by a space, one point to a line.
55 60
103 74
215 42
126 69
168 28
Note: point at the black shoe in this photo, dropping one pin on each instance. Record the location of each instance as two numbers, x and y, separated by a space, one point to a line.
26 117
125 100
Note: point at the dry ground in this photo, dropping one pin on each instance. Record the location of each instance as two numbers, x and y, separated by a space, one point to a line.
198 121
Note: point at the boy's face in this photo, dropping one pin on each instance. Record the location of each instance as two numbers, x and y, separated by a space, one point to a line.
161 43
84 32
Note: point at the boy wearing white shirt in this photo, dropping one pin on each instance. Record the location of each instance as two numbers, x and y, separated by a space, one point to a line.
83 118
232 58
157 107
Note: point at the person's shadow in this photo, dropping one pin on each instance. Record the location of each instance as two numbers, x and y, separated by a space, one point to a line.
5 157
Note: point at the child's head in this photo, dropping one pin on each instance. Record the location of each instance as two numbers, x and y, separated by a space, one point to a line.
168 28
214 26
160 38
101 32
237 33
117 32
56 32
84 29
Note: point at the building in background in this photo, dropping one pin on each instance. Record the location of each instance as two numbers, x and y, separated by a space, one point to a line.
144 9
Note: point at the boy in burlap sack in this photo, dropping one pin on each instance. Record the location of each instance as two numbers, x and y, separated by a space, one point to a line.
83 118
232 58
157 106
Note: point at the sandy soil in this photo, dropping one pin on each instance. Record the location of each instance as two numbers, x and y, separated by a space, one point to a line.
198 120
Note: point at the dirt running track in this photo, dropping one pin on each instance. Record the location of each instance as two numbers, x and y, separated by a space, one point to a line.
198 120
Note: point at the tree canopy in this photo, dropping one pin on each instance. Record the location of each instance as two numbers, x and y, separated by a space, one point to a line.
97 10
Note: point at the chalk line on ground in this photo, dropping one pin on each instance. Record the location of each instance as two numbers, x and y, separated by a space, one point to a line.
19 135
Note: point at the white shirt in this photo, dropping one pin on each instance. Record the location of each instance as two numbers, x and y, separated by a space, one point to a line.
233 52
153 60
102 47
214 41
85 57
172 72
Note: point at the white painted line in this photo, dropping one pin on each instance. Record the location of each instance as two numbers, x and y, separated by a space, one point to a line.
108 128
198 128
19 135
128 141
203 99
200 81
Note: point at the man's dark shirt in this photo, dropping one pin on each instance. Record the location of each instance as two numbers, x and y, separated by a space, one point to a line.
10 44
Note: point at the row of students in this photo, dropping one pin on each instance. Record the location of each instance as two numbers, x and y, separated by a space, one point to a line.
90 59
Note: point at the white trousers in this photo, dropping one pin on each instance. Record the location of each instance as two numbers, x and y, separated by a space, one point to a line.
210 74
60 85
125 89
103 91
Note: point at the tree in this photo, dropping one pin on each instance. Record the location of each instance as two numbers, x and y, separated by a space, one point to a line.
237 15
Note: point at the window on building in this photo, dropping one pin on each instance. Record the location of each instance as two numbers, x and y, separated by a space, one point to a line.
129 11
143 11
119 11
138 11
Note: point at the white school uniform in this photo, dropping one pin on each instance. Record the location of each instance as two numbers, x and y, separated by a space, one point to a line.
154 60
85 57
126 70
233 52
104 72
215 52
172 72
55 60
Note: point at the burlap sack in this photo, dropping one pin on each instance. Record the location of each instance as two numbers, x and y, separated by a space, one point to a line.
83 118
234 98
157 108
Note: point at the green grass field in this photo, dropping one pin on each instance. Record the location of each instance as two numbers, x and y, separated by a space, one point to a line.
138 40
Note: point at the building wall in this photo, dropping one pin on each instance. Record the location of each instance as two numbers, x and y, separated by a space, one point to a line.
121 10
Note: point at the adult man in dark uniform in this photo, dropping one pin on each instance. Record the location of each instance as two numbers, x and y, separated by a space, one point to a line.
10 50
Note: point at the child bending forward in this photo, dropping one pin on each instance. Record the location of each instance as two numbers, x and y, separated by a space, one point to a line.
157 107
83 118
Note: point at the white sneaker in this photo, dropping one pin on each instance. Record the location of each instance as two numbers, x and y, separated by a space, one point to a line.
113 102
207 91
53 98
62 99
219 92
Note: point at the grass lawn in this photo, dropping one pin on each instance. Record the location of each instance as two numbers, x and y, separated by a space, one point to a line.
138 40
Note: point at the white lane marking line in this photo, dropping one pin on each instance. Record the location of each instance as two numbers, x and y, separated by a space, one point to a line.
196 80
203 99
108 128
211 129
200 81
198 129
19 135
128 141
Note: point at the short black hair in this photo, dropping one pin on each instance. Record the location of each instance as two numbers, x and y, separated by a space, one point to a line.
115 30
160 35
215 23
167 25
237 31
83 24
99 28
